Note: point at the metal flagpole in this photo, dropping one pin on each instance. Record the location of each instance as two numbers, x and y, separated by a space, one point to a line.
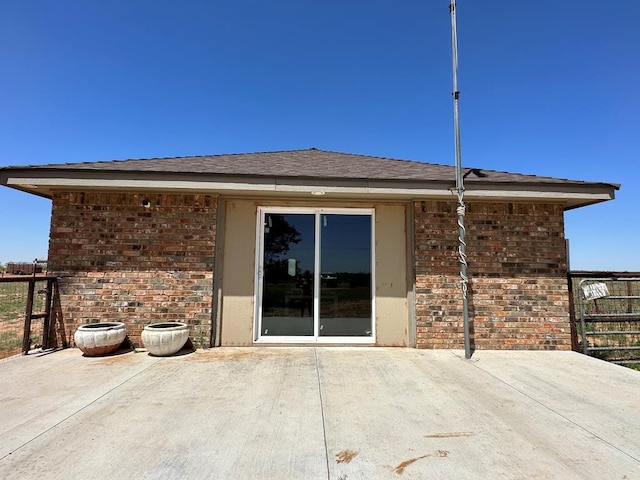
461 209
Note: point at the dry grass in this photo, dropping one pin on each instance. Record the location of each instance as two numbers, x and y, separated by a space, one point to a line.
13 303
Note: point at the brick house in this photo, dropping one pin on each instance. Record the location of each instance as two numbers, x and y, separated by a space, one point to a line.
310 246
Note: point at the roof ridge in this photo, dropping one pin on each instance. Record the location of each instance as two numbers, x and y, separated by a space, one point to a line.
239 154
258 152
120 160
201 156
289 163
377 156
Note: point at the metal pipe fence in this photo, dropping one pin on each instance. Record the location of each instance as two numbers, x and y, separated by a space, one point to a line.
608 310
26 314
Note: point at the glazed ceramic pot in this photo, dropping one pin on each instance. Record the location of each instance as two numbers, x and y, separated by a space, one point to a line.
162 339
100 338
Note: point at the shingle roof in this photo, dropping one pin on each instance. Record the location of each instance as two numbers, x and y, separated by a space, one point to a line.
308 163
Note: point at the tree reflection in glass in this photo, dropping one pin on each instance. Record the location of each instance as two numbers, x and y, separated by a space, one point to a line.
287 297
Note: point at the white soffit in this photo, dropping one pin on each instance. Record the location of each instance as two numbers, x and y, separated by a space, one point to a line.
272 187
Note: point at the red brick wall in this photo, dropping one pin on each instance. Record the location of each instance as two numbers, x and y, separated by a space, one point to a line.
119 261
518 294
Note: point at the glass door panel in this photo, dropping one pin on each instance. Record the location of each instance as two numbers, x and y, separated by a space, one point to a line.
345 276
288 275
315 275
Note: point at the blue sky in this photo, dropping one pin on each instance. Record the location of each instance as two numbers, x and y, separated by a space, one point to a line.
547 88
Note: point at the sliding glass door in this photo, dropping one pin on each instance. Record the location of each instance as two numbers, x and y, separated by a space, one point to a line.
315 275
288 275
345 276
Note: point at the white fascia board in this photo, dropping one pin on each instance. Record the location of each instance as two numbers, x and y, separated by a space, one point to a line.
276 187
526 194
144 184
217 186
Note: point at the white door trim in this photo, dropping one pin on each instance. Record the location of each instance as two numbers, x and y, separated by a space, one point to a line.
259 276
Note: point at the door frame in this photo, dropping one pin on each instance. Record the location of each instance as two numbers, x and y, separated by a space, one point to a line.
258 275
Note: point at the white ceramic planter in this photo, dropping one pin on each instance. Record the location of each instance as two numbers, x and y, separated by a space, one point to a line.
166 338
100 338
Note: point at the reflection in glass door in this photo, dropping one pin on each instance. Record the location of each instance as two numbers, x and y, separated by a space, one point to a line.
315 275
288 274
345 275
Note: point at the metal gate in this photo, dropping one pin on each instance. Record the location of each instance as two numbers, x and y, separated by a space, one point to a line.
609 309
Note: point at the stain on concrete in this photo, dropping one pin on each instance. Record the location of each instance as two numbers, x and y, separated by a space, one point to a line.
400 468
345 456
450 435
239 353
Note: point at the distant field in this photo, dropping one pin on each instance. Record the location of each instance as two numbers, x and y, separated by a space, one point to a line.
13 302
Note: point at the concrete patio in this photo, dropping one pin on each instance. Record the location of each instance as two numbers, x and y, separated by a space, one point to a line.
319 413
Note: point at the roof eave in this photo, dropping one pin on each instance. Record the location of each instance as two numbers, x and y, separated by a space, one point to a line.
43 182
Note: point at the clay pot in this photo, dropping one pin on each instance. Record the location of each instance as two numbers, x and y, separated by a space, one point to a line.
100 338
162 339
